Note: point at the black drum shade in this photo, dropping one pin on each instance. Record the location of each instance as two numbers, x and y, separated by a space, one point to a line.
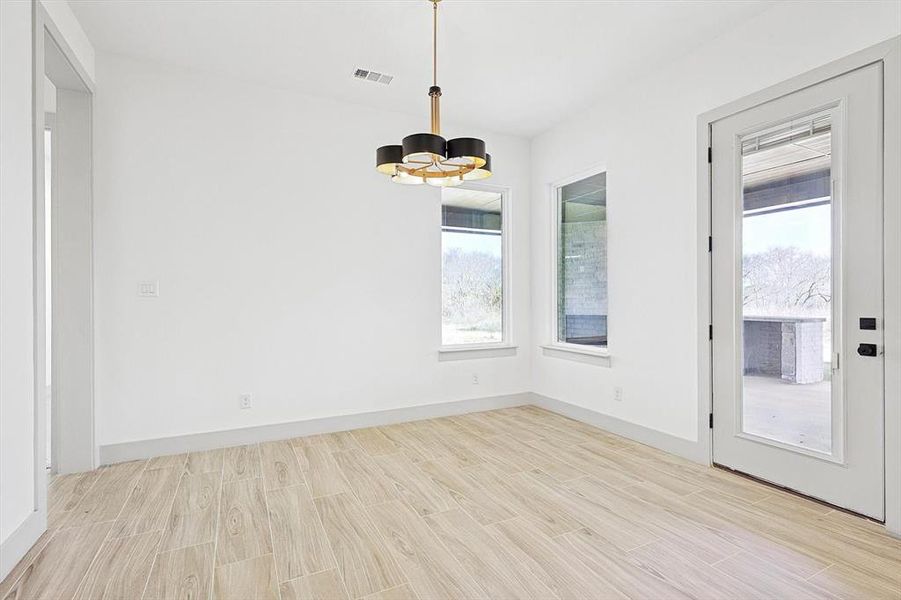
388 158
471 150
423 147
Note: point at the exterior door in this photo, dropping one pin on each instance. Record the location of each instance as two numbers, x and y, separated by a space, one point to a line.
797 291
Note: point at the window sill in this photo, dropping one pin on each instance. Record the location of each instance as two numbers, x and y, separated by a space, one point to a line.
599 358
475 351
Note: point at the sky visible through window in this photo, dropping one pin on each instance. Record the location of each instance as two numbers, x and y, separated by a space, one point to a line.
806 228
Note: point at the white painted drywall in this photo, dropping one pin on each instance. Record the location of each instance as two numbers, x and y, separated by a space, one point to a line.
645 134
16 254
287 266
72 33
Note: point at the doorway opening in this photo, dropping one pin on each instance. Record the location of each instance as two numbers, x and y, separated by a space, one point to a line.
64 258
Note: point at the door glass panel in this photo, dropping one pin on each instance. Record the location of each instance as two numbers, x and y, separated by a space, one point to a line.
787 283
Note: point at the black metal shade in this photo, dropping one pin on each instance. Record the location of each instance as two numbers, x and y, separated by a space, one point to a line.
468 148
422 144
387 158
482 172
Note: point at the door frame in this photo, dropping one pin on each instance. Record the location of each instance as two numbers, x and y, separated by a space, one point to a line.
44 28
889 54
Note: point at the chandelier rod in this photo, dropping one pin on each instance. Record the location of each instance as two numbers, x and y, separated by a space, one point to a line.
435 91
434 42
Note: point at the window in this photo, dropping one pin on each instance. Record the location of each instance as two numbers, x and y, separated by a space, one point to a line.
581 236
472 269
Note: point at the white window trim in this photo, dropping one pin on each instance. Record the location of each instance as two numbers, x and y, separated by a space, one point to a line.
506 346
553 347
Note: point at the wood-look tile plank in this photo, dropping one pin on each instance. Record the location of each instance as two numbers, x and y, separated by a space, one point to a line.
243 522
415 487
415 443
609 521
364 477
567 579
816 542
583 460
65 492
205 461
320 470
194 513
847 582
325 585
603 507
169 461
364 559
429 566
250 579
479 501
121 568
690 510
280 467
241 462
616 567
545 509
150 503
401 592
107 496
768 580
182 574
22 566
491 564
299 543
374 442
641 469
58 569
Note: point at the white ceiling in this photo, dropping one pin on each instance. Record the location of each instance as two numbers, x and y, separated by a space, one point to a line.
511 66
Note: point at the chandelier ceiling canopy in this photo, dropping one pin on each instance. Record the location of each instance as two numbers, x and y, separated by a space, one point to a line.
428 157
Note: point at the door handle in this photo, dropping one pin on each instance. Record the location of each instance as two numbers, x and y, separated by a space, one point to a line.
867 350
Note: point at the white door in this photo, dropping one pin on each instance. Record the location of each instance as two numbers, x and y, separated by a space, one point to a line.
797 291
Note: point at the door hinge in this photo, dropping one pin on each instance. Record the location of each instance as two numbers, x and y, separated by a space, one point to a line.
710 332
709 243
709 154
711 420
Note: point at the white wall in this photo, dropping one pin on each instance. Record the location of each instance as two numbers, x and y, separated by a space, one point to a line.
16 291
645 134
288 267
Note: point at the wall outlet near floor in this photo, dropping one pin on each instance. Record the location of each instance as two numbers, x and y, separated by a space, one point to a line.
149 289
245 401
618 394
475 379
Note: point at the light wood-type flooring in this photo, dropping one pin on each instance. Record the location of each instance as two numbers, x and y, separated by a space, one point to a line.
512 503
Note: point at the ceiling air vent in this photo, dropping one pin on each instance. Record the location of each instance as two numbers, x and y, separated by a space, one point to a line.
373 76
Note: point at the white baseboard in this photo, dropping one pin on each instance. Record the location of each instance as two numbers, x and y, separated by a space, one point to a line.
688 449
20 542
115 453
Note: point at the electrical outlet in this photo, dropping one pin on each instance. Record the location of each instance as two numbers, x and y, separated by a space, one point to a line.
246 401
475 379
618 394
149 289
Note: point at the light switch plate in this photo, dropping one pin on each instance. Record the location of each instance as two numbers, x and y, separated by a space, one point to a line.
149 289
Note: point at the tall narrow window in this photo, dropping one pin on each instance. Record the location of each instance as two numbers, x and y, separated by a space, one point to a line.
472 271
582 262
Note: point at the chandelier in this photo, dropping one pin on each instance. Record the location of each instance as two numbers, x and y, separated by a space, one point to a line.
428 157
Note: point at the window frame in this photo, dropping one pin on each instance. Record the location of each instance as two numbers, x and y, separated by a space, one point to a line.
484 350
554 347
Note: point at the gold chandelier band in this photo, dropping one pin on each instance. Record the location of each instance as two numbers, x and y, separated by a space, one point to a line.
456 171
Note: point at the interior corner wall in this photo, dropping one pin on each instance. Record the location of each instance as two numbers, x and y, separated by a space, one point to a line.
283 259
645 135
17 420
